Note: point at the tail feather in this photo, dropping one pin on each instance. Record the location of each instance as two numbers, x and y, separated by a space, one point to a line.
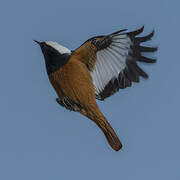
103 124
111 136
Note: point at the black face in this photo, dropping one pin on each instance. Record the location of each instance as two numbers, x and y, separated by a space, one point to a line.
53 59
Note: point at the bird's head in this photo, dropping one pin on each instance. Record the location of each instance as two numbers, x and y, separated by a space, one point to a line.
55 55
52 49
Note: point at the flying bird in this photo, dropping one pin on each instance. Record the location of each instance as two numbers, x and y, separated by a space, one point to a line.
96 70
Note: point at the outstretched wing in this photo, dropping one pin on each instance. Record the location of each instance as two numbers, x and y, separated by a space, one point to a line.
111 60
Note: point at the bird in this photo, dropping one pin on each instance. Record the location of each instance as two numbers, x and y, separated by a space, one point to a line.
96 70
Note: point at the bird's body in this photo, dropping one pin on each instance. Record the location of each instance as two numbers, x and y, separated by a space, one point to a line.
96 70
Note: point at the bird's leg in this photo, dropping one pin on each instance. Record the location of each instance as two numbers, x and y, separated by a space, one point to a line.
59 101
64 102
68 104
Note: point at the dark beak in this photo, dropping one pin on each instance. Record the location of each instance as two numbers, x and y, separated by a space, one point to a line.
37 42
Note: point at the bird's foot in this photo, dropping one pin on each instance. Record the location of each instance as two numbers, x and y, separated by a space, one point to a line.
68 104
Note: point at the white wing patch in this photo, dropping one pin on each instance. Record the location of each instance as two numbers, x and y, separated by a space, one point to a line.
115 67
110 62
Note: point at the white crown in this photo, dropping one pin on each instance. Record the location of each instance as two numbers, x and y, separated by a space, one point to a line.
58 47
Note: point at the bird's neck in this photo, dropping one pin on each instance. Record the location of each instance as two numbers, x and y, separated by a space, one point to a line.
55 63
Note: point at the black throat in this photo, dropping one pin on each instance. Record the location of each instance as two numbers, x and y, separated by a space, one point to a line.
54 60
53 64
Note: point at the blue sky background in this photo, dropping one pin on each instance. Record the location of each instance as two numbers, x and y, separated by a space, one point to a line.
41 140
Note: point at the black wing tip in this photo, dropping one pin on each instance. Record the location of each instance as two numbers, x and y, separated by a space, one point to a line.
137 49
132 34
144 48
136 32
146 59
146 76
145 38
150 35
117 32
153 60
155 48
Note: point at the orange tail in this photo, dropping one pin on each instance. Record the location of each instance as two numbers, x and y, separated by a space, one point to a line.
108 131
111 136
